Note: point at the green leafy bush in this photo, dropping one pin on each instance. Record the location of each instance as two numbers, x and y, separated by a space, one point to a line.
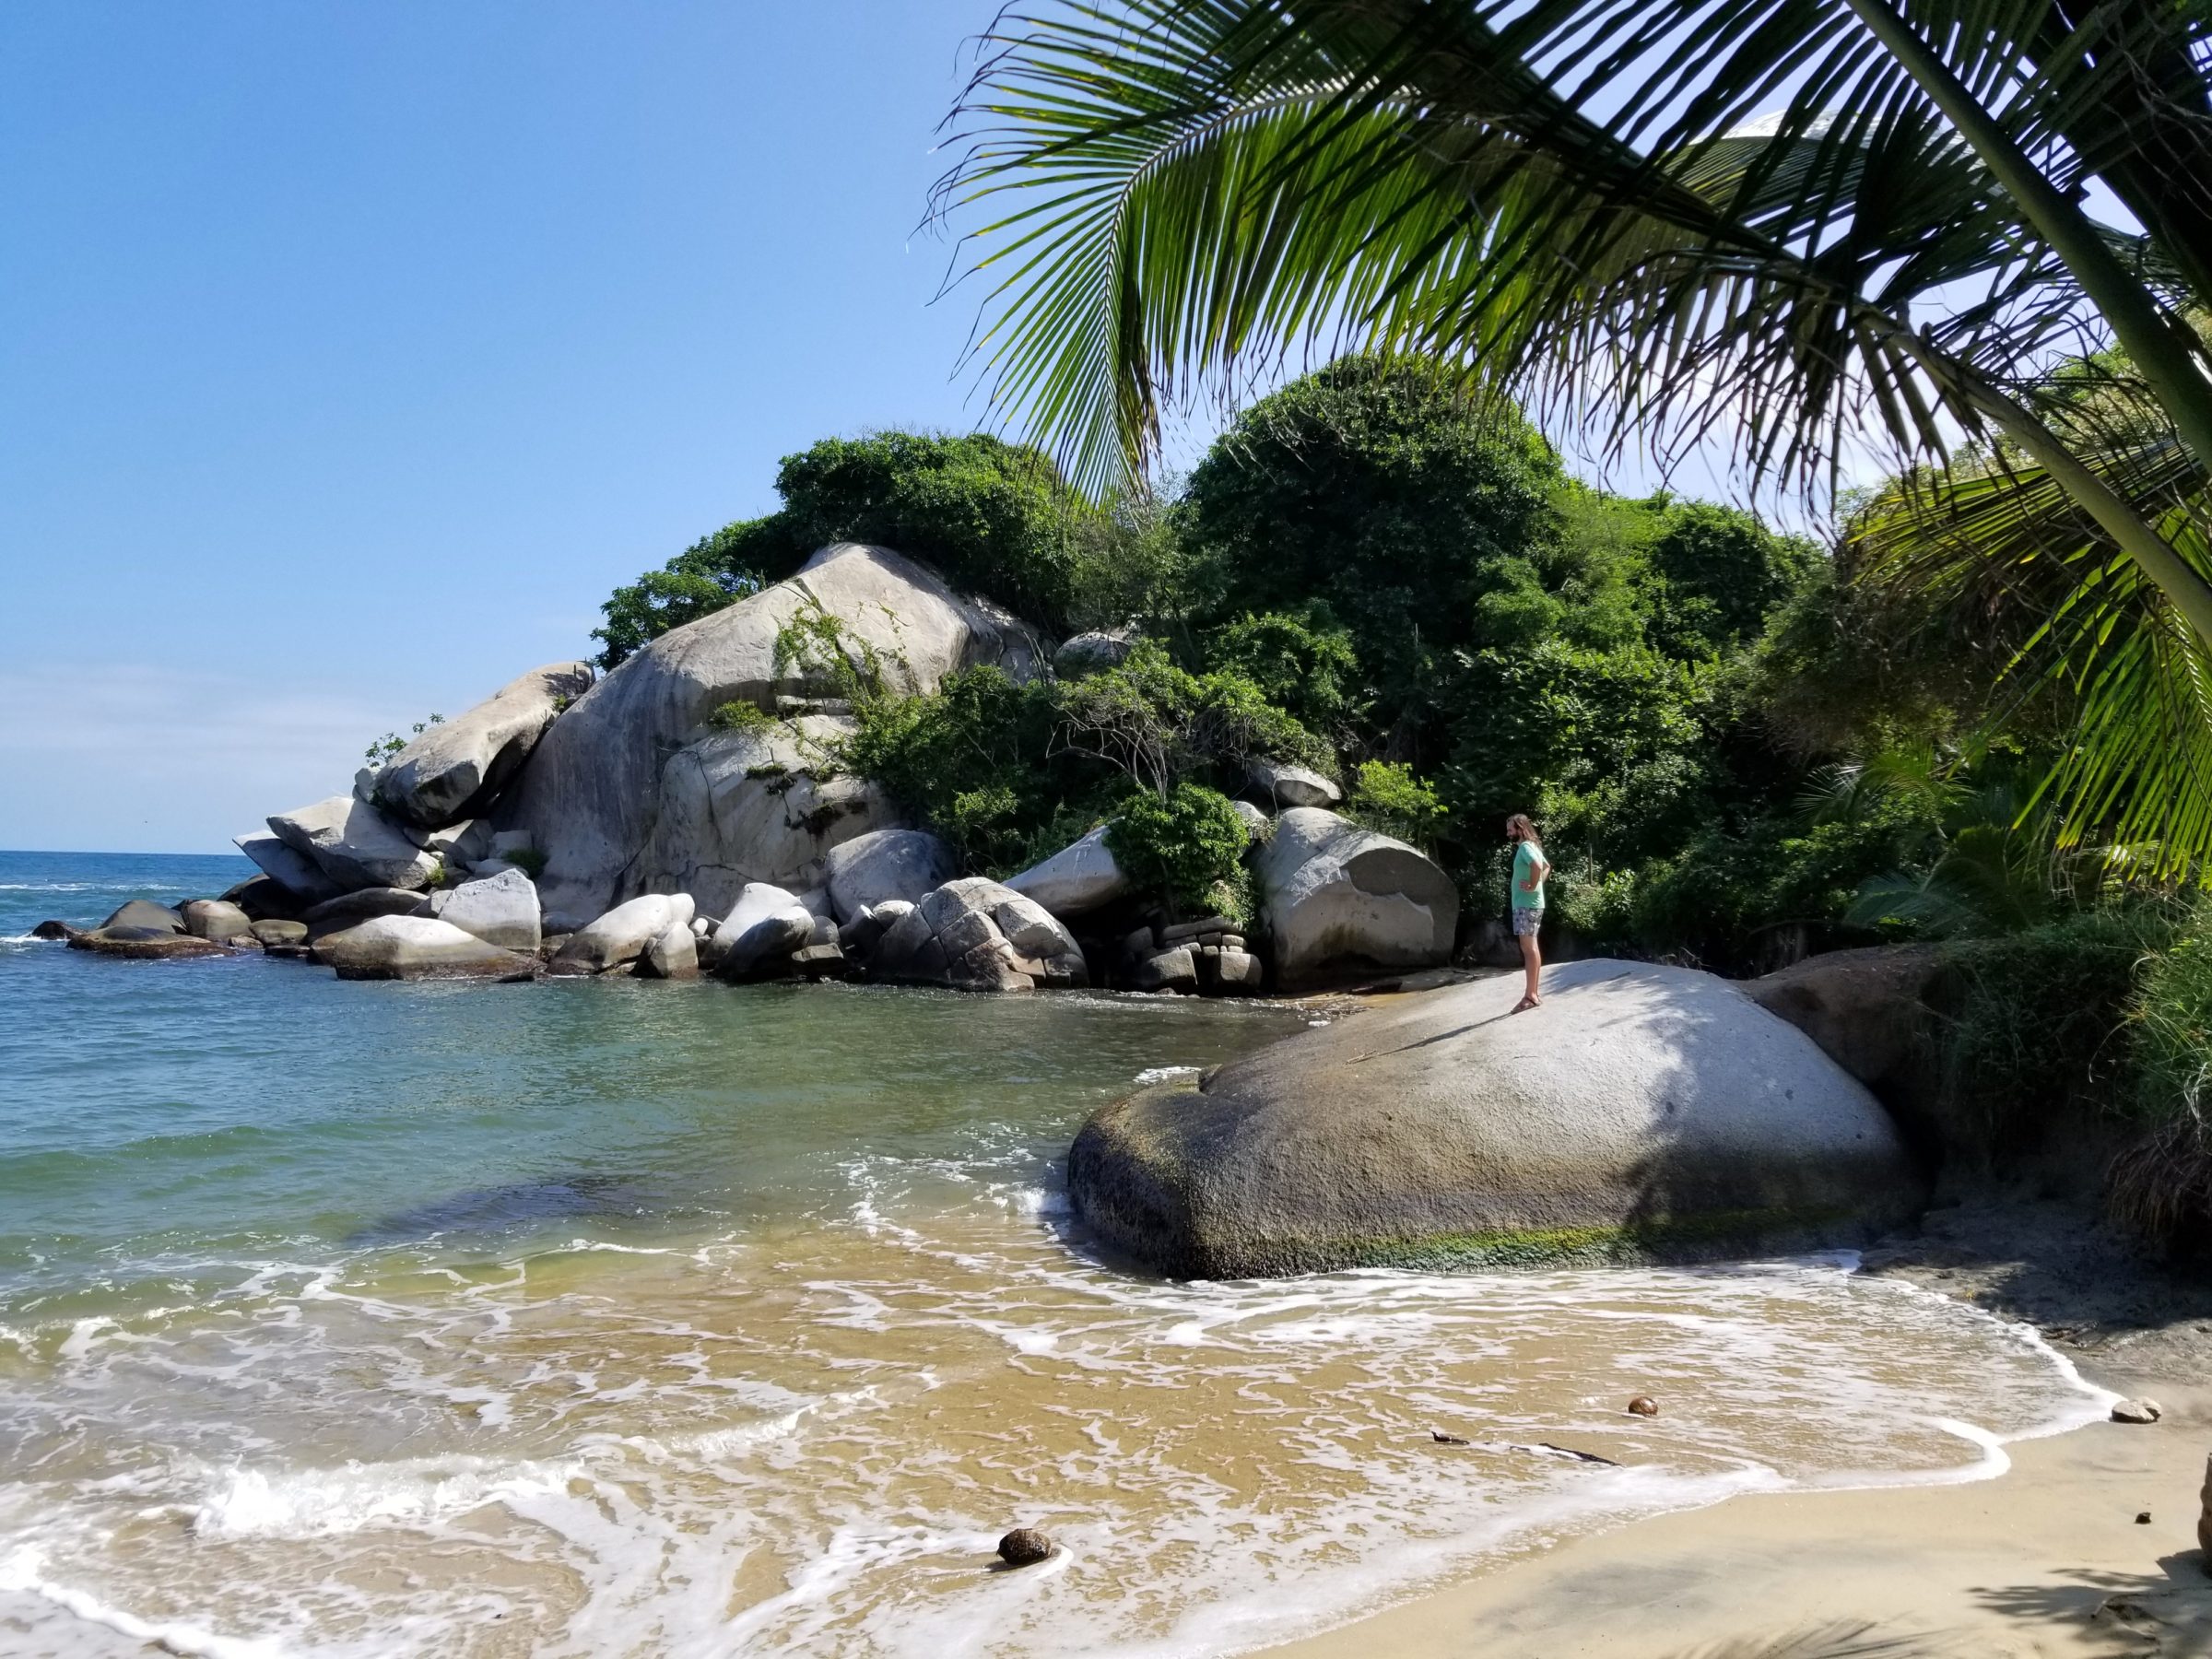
714 572
392 744
1187 846
1301 661
1387 796
740 716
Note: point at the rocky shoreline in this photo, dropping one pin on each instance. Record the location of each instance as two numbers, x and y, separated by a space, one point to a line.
688 815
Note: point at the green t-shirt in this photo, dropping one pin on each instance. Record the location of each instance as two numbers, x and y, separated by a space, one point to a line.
1525 858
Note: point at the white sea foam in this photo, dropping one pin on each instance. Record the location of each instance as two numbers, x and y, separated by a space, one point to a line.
416 1492
1161 1073
23 1570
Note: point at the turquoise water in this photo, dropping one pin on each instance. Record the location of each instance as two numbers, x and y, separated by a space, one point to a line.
625 1318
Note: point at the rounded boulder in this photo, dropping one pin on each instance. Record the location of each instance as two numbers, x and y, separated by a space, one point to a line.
1640 1113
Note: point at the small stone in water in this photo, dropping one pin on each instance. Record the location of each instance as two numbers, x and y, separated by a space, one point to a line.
2143 1519
2136 1411
1024 1547
1441 1439
1643 1406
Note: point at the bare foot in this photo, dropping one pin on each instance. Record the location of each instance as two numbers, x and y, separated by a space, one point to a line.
1527 1002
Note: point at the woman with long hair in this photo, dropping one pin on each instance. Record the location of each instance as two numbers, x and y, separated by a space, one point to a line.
1529 870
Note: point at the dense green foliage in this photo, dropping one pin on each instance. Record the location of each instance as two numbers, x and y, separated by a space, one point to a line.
1187 846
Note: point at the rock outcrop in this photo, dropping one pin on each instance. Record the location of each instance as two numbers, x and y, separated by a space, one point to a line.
592 791
1340 901
501 910
758 805
334 916
352 845
1641 1112
977 935
1076 880
885 864
620 935
415 947
455 768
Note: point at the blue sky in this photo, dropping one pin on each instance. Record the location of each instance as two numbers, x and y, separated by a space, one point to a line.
351 351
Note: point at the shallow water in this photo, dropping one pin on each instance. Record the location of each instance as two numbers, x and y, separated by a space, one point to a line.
619 1318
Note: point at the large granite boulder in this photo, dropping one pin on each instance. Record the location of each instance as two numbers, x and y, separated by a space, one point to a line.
501 910
621 936
1339 900
1287 785
215 919
289 868
767 924
758 805
1084 655
353 846
1639 1112
885 864
455 768
977 935
145 913
1078 879
673 956
592 791
414 947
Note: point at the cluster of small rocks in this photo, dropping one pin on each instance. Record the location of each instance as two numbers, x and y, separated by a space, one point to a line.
1209 957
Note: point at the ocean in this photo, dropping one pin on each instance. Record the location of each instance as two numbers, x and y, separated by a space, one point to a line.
615 1318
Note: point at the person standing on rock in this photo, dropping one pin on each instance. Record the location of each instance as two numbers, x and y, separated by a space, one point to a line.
1530 867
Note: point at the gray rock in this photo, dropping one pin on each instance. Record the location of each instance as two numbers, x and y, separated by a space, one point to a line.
622 933
353 845
761 805
454 770
593 789
816 902
819 960
1288 785
765 924
215 919
1639 1112
1258 826
1087 654
977 935
145 913
290 869
459 845
2137 1411
1341 900
1233 973
560 922
264 898
348 909
887 864
504 842
1078 879
146 944
673 954
274 931
501 910
415 947
1172 969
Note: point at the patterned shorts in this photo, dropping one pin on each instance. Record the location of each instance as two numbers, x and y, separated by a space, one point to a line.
1527 919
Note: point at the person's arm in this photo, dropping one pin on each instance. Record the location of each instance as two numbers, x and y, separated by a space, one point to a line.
1538 869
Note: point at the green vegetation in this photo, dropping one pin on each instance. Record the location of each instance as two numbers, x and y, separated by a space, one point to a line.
1187 845
740 716
387 747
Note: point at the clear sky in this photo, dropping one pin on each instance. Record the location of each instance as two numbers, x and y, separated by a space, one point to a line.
350 351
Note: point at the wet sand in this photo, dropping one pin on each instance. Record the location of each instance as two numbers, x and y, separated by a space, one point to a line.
2047 1559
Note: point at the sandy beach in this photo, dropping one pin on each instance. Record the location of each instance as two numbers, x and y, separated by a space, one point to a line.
2047 1559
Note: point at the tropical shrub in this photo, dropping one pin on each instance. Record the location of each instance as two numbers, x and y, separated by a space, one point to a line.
1186 847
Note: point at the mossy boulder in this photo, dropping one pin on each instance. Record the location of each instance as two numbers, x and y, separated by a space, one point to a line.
1641 1113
